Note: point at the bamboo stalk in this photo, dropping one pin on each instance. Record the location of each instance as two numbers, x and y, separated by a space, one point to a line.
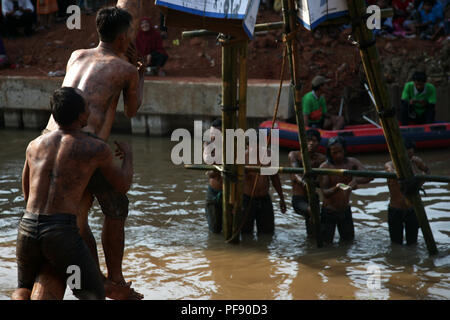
335 172
207 33
394 139
290 25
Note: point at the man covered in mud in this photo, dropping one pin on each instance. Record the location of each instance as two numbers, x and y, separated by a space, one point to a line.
401 216
57 170
102 74
336 209
300 197
214 191
257 203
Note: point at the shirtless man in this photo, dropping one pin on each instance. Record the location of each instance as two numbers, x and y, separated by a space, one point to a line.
102 74
336 210
259 207
401 215
214 192
57 170
300 197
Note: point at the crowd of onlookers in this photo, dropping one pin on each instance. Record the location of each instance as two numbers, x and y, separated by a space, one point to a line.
425 19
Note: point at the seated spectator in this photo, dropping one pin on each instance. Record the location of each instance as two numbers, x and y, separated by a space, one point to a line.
418 101
18 14
402 17
430 18
46 10
315 114
149 45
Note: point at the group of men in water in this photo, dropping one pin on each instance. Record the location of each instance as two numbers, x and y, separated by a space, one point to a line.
335 192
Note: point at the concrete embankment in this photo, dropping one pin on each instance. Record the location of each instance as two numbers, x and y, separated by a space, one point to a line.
168 103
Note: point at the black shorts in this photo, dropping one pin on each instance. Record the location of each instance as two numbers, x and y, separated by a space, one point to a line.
301 205
403 219
342 219
114 204
214 209
259 209
55 239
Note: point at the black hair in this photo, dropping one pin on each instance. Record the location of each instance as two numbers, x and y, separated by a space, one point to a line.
331 142
430 2
217 123
315 88
420 76
313 133
111 22
66 105
409 144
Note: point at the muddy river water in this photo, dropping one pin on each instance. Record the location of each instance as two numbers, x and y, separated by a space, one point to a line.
170 254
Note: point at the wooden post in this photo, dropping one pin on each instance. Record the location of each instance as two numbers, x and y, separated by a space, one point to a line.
229 91
290 25
370 58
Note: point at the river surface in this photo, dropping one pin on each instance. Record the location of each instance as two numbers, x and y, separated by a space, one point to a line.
170 254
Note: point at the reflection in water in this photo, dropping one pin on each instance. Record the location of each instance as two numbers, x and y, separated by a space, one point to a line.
170 255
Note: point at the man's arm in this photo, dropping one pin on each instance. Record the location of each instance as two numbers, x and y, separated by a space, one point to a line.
357 165
133 92
277 185
295 163
26 181
119 178
324 182
421 165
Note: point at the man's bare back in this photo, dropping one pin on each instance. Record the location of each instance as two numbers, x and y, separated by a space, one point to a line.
102 75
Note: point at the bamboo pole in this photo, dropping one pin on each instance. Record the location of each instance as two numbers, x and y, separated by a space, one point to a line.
242 124
370 58
336 172
207 33
290 25
229 92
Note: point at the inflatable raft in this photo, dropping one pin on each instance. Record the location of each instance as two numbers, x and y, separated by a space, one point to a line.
367 138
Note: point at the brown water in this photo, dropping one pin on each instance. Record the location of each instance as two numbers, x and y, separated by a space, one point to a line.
170 255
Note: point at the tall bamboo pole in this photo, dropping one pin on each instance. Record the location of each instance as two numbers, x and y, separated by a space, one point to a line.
370 58
242 124
229 92
290 25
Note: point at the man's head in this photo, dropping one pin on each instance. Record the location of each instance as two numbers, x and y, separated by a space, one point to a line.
313 138
428 5
113 26
318 82
419 78
410 146
145 24
67 106
336 150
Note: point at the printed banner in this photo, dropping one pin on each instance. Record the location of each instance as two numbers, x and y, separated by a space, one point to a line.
312 13
245 10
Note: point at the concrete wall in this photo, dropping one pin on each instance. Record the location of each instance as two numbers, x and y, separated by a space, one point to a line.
167 105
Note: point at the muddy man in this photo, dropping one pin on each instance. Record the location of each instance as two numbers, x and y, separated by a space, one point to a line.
102 74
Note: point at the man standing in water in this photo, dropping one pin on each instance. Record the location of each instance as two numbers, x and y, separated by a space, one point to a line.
256 203
336 210
214 192
299 197
102 74
57 170
401 215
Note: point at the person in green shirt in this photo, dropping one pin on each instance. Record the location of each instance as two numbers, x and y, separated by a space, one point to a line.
315 114
418 101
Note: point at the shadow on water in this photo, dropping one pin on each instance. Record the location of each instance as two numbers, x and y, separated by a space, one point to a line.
170 254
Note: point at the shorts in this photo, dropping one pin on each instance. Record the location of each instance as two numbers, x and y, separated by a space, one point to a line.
301 205
342 219
260 210
114 204
403 219
214 209
56 239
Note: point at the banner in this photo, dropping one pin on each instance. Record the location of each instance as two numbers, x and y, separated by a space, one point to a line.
244 11
312 13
